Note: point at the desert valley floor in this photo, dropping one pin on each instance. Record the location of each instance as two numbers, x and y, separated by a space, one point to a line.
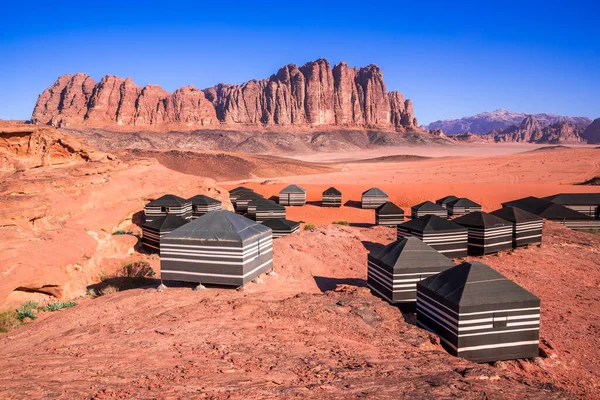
312 331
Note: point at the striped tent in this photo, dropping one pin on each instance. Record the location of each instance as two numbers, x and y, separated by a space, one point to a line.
293 195
153 231
220 247
527 227
243 199
585 203
555 212
445 200
445 236
264 209
282 227
394 270
487 233
202 204
236 192
479 314
168 204
462 206
389 214
373 198
428 208
332 198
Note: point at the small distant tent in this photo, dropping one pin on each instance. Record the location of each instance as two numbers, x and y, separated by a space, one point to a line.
445 200
373 198
220 247
394 270
585 203
462 206
202 204
282 227
293 195
332 198
154 230
389 214
527 227
168 204
445 236
244 198
264 209
428 208
487 233
479 314
236 192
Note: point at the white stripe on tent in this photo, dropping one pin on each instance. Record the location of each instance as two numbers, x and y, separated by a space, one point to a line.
217 275
498 345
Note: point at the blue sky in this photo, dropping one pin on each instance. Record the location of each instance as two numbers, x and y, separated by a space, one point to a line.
452 59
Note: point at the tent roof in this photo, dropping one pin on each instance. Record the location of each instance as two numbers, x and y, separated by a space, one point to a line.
293 189
166 223
514 214
580 199
240 189
432 223
447 199
168 200
410 253
546 209
219 225
428 206
202 199
265 204
374 192
476 284
249 196
480 219
280 224
463 202
389 208
332 191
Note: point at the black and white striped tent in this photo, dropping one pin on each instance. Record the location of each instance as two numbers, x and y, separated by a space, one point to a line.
462 206
282 227
236 192
487 233
293 195
428 208
445 200
389 214
264 209
202 204
479 314
445 236
373 198
527 227
332 198
555 212
394 270
243 199
152 231
168 204
220 247
585 203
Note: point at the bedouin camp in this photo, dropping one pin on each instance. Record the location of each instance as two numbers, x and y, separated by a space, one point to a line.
243 199
585 203
389 214
487 233
282 227
331 198
292 195
264 209
527 227
462 206
428 208
202 204
445 200
445 236
153 231
236 192
373 198
168 204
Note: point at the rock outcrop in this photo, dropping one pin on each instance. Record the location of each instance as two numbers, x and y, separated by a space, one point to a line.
314 94
592 132
532 131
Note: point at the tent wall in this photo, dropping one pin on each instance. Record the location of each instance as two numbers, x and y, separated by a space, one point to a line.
388 219
200 210
277 233
368 201
525 233
153 212
331 200
292 199
489 240
415 213
450 244
453 210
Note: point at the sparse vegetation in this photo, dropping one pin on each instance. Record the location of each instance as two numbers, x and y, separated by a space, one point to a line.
133 274
27 310
109 289
341 222
9 320
592 231
121 232
308 227
137 269
59 305
302 222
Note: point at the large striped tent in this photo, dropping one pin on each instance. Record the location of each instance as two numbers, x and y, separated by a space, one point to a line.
389 214
332 198
527 227
292 195
462 206
373 198
445 236
202 204
479 314
236 192
428 208
220 247
585 203
394 270
168 204
487 233
555 212
264 209
154 230
244 198
445 200
282 227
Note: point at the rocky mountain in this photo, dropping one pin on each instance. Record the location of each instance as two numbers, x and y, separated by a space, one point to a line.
592 132
498 120
531 130
314 94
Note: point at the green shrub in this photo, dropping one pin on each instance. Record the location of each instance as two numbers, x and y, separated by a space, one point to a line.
341 222
137 269
59 305
27 310
309 227
9 320
121 232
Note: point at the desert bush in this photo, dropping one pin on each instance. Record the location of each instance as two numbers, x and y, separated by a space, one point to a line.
309 226
121 232
59 305
137 269
109 289
27 310
341 222
9 320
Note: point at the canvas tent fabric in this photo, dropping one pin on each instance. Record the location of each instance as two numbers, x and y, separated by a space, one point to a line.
394 270
331 198
488 233
282 227
220 247
445 236
373 198
526 227
292 195
168 204
242 201
585 203
428 208
236 192
479 314
202 204
462 206
154 230
445 200
264 209
389 214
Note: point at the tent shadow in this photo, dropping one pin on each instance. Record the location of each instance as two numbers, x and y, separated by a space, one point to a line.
317 203
372 246
274 198
326 283
361 225
139 218
353 203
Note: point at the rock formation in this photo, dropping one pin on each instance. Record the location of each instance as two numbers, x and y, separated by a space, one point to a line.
532 131
592 132
314 94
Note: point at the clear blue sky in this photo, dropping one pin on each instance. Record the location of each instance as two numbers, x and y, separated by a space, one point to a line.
452 58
